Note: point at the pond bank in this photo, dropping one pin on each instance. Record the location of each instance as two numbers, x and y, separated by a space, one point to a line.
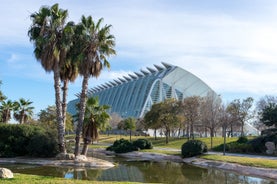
90 163
158 157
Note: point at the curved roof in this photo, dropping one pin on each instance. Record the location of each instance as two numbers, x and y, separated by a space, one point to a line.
135 95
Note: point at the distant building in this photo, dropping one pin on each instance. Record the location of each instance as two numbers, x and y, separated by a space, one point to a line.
133 95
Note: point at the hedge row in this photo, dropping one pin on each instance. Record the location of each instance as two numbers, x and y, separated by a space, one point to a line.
27 140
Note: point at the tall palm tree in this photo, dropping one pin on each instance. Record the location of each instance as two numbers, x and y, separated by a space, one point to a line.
46 33
69 68
96 118
6 109
94 44
23 111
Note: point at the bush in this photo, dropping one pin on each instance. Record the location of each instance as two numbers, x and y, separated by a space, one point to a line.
124 146
242 139
43 145
270 131
258 144
17 140
143 144
236 147
193 148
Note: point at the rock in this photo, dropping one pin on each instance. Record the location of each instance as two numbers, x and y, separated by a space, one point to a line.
81 158
70 156
5 173
65 156
270 146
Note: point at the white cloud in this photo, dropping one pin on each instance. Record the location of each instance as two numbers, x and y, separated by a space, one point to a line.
232 51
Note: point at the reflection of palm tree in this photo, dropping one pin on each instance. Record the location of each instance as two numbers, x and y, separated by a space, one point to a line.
23 110
94 44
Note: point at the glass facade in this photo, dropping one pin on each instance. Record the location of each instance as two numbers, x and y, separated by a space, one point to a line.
133 95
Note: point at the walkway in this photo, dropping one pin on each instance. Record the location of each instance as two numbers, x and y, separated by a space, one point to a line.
244 155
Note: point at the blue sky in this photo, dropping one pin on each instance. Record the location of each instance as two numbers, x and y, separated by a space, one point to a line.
230 44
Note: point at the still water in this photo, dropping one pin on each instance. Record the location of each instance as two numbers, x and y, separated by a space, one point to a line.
146 172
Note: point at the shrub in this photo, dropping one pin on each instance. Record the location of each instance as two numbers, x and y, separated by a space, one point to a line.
242 139
270 131
43 144
193 148
124 146
258 144
143 144
16 140
236 147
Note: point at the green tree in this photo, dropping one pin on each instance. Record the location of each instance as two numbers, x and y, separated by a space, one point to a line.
47 118
262 104
164 115
23 111
269 115
6 108
151 119
96 118
129 124
93 44
46 33
241 110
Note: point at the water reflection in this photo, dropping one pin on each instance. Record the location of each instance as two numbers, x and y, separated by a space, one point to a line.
148 172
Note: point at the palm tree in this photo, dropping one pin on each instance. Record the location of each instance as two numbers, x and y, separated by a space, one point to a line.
46 33
96 118
94 44
69 68
2 96
23 111
6 109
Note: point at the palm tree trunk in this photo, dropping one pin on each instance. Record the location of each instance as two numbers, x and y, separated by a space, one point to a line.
82 106
64 105
60 125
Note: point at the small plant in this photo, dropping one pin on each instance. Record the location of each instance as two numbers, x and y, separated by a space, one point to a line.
193 147
143 144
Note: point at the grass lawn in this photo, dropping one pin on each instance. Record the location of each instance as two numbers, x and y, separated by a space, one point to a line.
253 162
174 143
34 179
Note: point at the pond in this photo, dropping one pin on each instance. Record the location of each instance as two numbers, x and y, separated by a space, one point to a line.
141 171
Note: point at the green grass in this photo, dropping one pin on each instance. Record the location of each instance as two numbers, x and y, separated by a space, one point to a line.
34 179
253 162
174 143
167 152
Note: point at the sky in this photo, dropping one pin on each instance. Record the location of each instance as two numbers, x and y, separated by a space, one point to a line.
231 45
